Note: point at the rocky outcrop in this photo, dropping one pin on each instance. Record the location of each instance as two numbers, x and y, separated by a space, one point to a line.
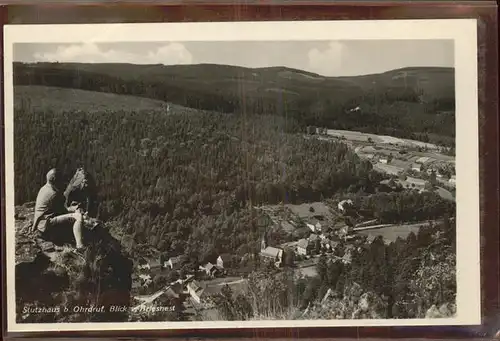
56 284
353 303
446 310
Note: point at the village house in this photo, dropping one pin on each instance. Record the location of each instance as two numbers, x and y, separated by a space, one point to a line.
146 280
155 264
183 282
195 290
270 254
200 293
368 156
314 227
453 179
368 150
347 258
311 227
416 167
173 263
383 160
423 160
345 231
210 269
389 169
369 238
149 264
303 247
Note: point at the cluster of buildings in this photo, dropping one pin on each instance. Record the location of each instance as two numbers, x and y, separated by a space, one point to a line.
189 287
148 267
321 238
219 268
393 161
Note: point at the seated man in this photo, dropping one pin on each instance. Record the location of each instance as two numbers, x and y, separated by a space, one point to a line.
51 209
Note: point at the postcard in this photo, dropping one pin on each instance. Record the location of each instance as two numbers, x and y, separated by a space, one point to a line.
242 174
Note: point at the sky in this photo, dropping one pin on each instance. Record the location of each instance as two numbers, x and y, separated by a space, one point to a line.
327 58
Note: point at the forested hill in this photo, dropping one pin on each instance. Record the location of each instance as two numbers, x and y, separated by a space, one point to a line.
416 103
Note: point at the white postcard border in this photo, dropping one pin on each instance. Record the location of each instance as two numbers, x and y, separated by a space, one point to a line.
462 31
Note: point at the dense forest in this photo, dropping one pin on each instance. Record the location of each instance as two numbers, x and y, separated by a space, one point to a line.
405 279
415 103
186 183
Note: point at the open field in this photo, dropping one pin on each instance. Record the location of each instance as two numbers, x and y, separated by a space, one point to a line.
303 210
437 156
445 194
61 99
221 281
378 139
391 233
389 169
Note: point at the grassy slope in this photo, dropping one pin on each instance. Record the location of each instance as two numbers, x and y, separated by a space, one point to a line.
61 99
57 99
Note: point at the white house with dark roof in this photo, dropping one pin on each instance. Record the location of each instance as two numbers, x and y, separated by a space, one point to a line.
303 247
423 159
173 262
416 167
272 254
311 227
195 290
210 269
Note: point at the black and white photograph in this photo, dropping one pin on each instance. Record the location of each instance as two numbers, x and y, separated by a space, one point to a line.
242 174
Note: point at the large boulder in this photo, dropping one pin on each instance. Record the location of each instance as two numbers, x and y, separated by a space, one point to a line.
446 310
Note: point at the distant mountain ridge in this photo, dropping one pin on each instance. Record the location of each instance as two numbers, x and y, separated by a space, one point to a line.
408 102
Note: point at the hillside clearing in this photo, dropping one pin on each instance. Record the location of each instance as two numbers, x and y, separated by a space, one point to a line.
379 139
391 233
62 99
